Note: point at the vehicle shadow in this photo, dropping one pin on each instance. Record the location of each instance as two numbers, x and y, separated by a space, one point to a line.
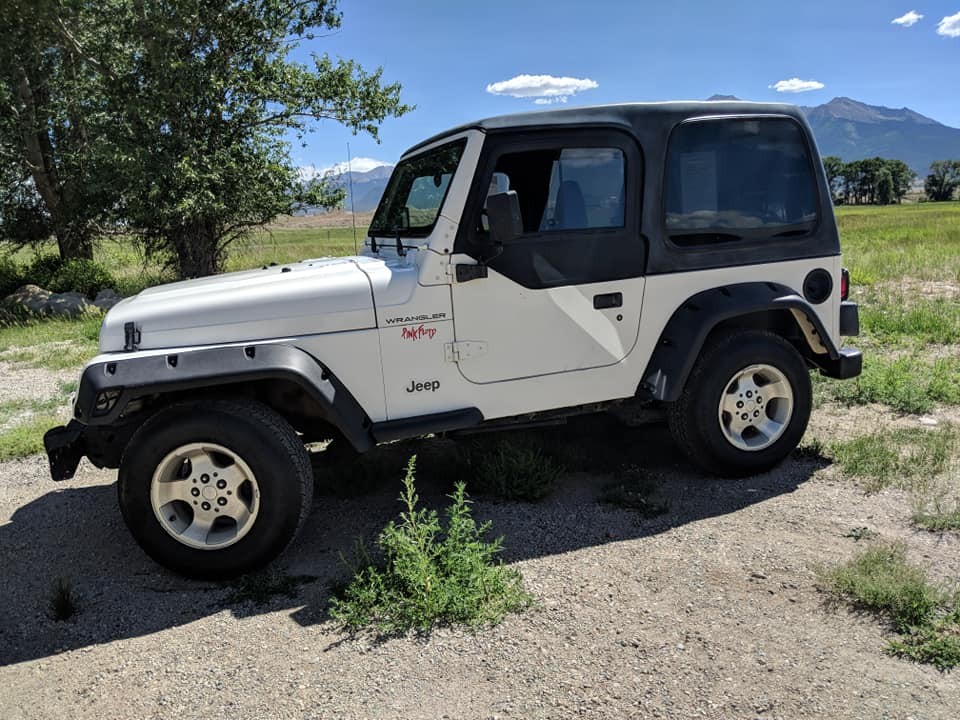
77 534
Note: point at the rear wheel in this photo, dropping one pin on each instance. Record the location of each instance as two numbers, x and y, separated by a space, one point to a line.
745 406
215 490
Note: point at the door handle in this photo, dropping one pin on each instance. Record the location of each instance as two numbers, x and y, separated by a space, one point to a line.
607 300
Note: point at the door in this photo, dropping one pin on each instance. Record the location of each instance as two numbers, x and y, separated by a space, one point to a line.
567 294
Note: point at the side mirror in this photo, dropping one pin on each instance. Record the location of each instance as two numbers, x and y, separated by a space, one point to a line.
503 214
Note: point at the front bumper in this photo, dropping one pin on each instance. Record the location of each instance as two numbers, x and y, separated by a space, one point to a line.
65 447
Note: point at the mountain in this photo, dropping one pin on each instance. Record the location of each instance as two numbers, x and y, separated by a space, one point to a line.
853 130
367 187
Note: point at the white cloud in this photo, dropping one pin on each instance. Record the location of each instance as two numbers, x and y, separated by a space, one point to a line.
545 89
357 164
796 85
949 26
908 20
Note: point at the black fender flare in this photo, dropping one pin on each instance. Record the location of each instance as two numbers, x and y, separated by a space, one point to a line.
683 336
107 387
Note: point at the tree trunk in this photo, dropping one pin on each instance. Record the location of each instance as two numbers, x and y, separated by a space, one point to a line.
72 243
38 151
197 246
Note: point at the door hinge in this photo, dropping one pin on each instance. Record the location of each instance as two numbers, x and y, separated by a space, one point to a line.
464 350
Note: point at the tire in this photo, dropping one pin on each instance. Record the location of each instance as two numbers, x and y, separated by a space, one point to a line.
191 461
745 405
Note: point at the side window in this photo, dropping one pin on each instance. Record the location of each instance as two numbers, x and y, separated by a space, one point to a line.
564 188
730 179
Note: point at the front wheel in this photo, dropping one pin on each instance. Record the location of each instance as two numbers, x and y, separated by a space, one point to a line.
745 405
217 489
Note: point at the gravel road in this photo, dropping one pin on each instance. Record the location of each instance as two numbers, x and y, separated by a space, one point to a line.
708 611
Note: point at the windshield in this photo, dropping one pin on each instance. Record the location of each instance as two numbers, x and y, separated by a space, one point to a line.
411 203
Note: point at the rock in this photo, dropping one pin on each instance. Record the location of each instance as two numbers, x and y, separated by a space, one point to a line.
107 298
68 304
31 297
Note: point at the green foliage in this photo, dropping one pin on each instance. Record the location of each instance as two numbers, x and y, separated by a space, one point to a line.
902 457
62 602
881 580
206 116
943 180
53 132
11 276
936 643
513 467
432 573
76 274
172 120
875 181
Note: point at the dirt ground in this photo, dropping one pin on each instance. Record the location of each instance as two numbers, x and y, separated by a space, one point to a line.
707 611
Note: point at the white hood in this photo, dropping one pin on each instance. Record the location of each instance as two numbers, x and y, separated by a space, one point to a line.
306 298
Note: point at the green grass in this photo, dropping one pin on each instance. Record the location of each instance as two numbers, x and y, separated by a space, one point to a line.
26 438
908 458
890 243
882 581
894 318
910 384
431 572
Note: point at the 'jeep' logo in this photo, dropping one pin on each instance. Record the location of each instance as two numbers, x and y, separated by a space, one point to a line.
415 333
431 385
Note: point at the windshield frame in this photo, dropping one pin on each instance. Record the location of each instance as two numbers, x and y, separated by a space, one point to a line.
389 193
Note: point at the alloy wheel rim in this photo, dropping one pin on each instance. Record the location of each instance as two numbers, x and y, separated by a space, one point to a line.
755 407
205 496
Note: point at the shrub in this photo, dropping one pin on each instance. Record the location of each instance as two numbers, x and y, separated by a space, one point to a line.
515 468
431 573
75 275
62 602
880 579
11 277
82 276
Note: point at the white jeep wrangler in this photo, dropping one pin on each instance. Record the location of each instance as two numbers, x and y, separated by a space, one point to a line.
673 256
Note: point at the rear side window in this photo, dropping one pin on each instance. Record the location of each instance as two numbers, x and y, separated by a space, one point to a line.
739 178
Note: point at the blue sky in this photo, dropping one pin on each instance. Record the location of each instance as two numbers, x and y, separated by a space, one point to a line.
447 53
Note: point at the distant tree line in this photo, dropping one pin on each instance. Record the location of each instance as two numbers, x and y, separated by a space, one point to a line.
880 181
874 181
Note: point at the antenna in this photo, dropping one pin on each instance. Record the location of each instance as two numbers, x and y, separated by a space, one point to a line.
353 214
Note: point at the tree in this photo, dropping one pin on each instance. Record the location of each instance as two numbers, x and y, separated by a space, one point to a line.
902 177
943 180
205 97
884 193
833 167
48 144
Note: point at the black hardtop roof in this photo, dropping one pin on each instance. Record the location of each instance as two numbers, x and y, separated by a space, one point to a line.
624 114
